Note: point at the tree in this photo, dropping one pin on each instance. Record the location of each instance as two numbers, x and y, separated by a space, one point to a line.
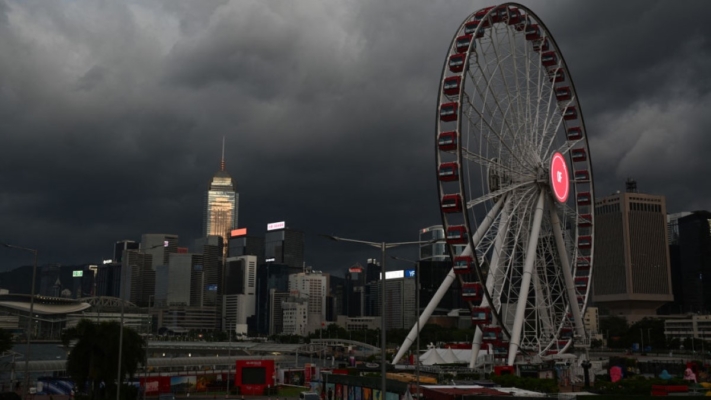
5 340
94 356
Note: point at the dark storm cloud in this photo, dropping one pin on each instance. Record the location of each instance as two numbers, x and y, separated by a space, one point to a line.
112 113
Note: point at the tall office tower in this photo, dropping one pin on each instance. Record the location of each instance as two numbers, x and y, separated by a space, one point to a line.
122 245
108 280
221 204
632 276
174 281
211 248
400 304
695 257
159 246
240 291
435 251
138 278
270 276
337 288
431 275
275 317
313 286
677 305
283 245
354 300
372 270
242 244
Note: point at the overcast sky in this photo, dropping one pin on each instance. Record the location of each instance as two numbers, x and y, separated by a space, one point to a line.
112 114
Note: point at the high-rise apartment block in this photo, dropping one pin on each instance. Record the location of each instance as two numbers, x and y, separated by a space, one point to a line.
312 286
159 246
211 250
695 262
632 276
138 277
240 292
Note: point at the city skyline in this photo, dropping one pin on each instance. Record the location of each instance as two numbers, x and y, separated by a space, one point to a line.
328 111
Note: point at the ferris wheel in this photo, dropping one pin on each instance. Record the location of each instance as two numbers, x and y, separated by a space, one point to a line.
515 185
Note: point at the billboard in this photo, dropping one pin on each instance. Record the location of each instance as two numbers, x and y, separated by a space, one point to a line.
276 225
238 232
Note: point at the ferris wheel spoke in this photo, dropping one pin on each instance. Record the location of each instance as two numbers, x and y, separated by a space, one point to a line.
565 148
497 193
559 118
491 129
502 73
491 163
567 271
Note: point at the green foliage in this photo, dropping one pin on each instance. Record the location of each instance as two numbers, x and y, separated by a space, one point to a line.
535 384
94 357
5 341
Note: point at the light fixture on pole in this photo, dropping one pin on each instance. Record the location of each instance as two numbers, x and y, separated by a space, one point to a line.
26 386
382 246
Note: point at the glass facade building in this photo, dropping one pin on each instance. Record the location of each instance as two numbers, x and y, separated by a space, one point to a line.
221 206
284 246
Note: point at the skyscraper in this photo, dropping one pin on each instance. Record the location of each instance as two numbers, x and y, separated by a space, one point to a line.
632 275
221 204
283 245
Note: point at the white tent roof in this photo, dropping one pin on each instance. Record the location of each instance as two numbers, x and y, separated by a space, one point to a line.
449 356
433 357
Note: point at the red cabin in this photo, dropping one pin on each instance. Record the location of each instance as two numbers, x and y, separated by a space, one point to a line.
562 343
462 43
578 155
456 63
481 315
457 235
462 265
448 172
575 133
481 13
551 352
541 45
584 199
585 221
492 335
451 203
581 283
514 16
472 291
448 112
470 28
563 93
533 32
451 85
566 333
549 59
447 141
585 242
583 264
582 175
570 113
500 349
556 75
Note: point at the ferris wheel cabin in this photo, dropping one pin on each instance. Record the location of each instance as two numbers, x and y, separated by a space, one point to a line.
448 112
481 315
451 85
451 203
457 235
448 172
462 265
462 43
472 291
563 93
447 141
456 63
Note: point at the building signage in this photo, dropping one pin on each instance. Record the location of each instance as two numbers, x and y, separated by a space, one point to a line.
107 261
269 260
355 270
394 274
560 181
238 232
276 225
409 273
77 274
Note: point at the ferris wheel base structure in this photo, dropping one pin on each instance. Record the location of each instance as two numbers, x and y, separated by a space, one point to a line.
515 183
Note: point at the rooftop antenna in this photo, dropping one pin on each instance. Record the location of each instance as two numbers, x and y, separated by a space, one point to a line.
222 163
631 185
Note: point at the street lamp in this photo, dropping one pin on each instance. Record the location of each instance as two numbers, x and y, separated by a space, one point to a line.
417 307
26 386
382 246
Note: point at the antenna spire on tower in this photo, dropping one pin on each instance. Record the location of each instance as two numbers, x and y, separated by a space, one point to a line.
222 163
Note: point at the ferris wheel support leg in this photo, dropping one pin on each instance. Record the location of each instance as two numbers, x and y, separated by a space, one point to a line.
427 312
526 279
493 269
567 275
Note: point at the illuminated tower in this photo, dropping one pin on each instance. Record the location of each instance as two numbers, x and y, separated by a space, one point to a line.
221 203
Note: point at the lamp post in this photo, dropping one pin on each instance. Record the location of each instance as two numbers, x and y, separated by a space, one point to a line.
382 246
26 386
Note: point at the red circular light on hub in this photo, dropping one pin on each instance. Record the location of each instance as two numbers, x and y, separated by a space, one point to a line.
560 180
